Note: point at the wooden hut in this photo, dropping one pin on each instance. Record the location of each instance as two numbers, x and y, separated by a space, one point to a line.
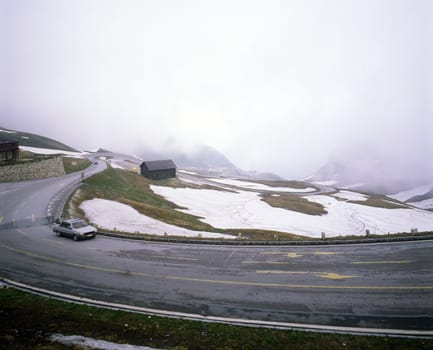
158 169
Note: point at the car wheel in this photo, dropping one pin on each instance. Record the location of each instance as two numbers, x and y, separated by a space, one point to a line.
75 238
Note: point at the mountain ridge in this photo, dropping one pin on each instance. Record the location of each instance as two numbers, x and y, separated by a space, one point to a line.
35 140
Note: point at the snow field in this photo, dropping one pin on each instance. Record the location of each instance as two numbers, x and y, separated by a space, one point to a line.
260 187
245 209
325 183
351 196
187 172
112 215
417 191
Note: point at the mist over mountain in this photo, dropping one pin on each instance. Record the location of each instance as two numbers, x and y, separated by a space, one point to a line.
376 170
205 160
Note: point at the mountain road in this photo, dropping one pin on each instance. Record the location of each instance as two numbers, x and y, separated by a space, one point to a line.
366 287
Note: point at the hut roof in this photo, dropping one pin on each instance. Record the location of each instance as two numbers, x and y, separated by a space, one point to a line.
158 165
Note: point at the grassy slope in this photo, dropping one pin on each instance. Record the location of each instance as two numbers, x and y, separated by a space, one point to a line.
282 183
131 189
33 140
72 165
26 320
294 202
378 201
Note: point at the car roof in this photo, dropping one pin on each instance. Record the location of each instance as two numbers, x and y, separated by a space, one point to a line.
71 221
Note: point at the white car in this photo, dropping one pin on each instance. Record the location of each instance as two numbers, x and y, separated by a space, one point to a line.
76 229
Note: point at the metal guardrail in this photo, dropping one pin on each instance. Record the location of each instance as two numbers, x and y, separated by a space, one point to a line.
58 203
243 242
401 333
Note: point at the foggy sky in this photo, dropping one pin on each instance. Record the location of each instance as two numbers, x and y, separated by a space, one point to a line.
275 85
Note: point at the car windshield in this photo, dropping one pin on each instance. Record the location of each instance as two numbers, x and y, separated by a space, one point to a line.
79 224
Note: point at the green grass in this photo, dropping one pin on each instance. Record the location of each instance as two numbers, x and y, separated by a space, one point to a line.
132 189
300 185
294 202
26 320
378 201
72 165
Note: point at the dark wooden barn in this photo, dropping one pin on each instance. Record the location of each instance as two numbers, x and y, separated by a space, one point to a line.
9 150
158 169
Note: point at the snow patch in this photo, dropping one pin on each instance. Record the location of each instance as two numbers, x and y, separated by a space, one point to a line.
93 343
112 215
260 187
351 196
8 131
325 183
187 172
116 166
245 209
50 151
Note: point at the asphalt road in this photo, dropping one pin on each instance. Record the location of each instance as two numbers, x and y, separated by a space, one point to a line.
386 286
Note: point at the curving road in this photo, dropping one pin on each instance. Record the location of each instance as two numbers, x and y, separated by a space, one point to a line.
366 287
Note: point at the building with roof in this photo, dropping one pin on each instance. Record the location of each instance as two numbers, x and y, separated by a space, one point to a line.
9 150
158 169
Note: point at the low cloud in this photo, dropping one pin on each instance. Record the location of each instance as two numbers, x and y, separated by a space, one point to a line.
275 86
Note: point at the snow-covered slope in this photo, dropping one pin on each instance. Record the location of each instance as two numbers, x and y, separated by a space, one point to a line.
245 209
114 215
420 197
260 187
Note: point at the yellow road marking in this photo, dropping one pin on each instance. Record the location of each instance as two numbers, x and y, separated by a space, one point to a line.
294 255
277 272
328 275
382 262
335 276
174 257
225 282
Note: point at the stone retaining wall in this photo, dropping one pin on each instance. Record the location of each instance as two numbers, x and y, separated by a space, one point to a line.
40 169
